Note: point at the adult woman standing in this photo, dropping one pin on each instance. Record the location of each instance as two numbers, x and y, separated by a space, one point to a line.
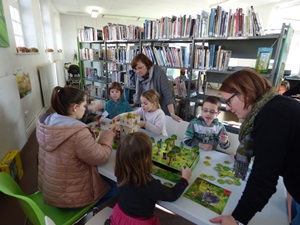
151 76
69 155
271 133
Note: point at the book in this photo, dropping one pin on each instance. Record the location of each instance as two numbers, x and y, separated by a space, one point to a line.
208 195
263 59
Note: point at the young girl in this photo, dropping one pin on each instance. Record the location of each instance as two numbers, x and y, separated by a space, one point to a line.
139 191
153 117
68 154
206 130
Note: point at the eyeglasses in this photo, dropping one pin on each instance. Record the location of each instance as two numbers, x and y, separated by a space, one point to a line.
138 68
211 112
228 101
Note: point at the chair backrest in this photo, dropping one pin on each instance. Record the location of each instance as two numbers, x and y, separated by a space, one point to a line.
9 187
177 128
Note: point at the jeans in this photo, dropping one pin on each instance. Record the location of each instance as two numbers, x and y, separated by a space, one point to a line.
113 192
295 213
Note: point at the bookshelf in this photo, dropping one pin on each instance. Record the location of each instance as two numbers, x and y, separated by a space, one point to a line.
108 60
190 51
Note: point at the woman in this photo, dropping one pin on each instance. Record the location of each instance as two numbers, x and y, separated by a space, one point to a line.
270 132
69 155
151 76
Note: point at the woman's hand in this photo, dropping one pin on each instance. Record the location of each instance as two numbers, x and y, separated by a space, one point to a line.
176 118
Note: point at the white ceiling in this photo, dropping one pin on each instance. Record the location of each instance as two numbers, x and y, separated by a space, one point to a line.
150 9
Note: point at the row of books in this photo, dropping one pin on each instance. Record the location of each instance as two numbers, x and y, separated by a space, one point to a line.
168 56
91 54
215 57
121 32
96 91
125 78
234 23
217 23
90 34
122 54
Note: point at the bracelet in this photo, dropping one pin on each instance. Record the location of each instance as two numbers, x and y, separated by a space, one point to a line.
172 114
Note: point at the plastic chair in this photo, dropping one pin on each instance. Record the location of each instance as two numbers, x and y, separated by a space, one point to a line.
36 210
177 128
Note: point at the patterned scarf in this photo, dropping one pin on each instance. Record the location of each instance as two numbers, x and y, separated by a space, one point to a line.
245 150
143 83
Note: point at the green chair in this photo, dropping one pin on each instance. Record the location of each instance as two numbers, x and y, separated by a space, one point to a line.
36 210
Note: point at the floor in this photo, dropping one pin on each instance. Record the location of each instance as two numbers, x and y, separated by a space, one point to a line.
12 214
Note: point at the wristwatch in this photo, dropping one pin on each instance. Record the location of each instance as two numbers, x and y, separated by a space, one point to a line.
238 222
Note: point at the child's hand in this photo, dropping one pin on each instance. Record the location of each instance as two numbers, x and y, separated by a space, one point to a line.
223 138
186 172
96 118
206 147
95 107
142 123
115 119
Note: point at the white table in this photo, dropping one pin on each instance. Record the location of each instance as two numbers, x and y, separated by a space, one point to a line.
274 213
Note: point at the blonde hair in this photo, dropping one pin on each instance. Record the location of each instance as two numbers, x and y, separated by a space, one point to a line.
152 96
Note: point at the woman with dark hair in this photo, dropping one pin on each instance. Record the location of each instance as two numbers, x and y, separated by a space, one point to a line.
270 133
69 155
150 76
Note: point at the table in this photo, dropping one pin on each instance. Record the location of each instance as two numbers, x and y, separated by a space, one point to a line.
274 213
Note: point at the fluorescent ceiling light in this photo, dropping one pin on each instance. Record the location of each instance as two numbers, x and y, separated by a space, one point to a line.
94 13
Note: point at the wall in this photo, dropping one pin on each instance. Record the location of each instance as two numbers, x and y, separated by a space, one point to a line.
32 104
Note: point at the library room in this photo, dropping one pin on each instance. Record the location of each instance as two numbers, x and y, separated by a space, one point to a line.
199 81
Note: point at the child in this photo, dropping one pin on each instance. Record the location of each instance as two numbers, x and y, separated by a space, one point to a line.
68 153
116 105
139 191
206 130
154 119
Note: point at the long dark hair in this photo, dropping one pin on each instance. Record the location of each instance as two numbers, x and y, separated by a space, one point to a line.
134 160
64 97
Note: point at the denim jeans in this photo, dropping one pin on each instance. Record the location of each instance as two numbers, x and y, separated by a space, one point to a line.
113 192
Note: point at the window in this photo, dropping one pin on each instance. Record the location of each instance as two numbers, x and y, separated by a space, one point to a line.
17 26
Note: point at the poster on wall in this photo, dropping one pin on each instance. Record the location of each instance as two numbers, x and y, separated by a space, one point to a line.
4 42
23 81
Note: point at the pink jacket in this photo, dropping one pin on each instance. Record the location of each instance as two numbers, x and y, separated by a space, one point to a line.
68 159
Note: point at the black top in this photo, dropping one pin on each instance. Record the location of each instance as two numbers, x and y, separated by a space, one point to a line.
276 149
140 202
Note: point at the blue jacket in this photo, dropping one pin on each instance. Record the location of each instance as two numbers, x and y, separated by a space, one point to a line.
115 109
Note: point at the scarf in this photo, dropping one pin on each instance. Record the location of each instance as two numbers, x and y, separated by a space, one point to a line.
245 150
143 83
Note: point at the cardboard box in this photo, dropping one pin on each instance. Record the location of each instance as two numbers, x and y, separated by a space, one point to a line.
11 164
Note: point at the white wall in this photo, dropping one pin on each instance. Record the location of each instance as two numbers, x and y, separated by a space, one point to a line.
10 61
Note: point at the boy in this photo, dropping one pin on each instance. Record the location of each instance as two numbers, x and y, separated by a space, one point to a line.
206 130
116 104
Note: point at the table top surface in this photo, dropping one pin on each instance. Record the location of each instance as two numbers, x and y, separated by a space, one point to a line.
274 213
